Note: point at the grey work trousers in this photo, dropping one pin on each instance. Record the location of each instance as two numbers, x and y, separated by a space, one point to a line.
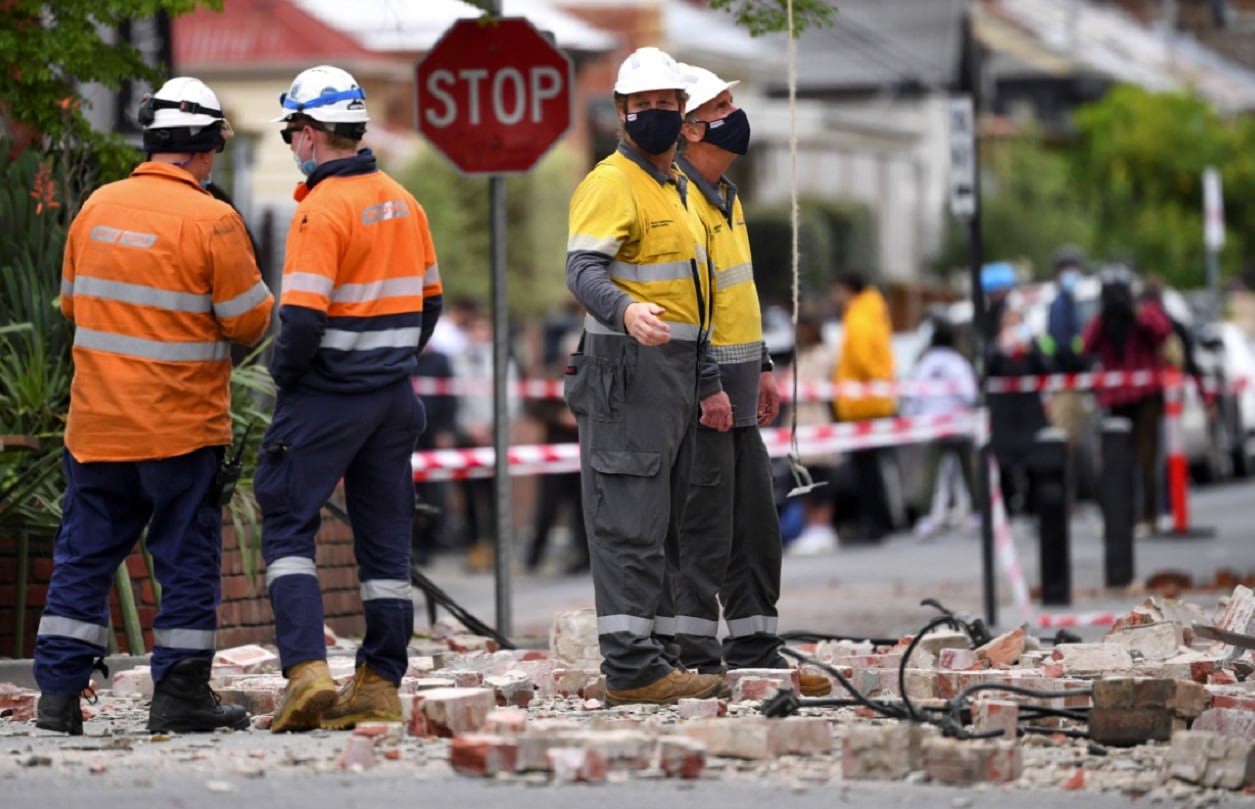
636 407
730 553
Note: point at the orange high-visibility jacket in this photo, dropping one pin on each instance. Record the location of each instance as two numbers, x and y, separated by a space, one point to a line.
158 278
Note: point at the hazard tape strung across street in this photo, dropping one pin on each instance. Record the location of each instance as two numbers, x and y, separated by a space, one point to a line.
543 459
1046 621
827 391
1004 545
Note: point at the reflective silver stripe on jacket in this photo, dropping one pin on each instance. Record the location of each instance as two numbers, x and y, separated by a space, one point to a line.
309 282
665 626
86 286
127 238
67 288
290 566
580 243
184 638
732 276
342 340
51 626
393 209
151 349
701 627
646 273
432 276
376 290
385 588
735 355
234 307
687 332
753 625
609 624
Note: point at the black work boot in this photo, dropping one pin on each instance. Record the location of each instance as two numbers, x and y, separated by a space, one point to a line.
59 712
183 702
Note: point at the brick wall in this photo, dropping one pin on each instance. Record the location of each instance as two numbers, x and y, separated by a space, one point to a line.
244 616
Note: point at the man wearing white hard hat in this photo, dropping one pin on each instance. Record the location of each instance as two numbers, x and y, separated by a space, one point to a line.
730 545
159 279
636 261
361 295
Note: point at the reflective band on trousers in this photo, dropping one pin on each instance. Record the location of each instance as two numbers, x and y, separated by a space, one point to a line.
580 243
687 332
753 625
150 349
59 626
184 638
734 275
609 624
644 273
140 295
665 626
290 566
700 627
242 303
342 340
377 290
385 588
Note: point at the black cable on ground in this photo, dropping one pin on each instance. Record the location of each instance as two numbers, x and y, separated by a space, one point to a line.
434 593
890 711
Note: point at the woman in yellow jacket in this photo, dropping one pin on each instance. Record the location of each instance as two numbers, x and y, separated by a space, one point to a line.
865 356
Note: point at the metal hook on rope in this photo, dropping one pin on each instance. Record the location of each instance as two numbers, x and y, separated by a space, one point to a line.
803 483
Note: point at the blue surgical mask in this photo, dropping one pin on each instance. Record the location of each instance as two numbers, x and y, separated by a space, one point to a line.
1068 279
306 166
654 130
731 133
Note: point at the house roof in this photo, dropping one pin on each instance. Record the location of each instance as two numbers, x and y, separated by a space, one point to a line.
413 27
873 45
257 33
1092 39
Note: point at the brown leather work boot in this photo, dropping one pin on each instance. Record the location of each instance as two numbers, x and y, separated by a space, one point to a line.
367 698
668 690
309 692
813 685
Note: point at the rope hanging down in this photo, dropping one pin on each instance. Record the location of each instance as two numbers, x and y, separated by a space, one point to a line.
802 480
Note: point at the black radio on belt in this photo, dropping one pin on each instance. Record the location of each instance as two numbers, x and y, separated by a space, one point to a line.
228 474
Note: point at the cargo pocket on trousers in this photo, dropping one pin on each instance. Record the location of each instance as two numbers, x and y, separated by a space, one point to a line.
706 476
628 505
592 387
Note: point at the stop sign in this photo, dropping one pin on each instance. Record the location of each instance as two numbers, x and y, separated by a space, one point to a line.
493 97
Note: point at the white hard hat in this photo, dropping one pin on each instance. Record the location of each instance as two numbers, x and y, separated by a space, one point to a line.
702 85
648 69
180 117
326 94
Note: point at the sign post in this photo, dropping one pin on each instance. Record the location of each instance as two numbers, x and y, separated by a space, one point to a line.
1213 234
493 97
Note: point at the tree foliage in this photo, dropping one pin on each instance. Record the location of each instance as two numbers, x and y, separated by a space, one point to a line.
536 212
55 48
771 16
1138 164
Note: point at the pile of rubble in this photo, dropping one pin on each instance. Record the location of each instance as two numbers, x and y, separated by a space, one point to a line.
1157 707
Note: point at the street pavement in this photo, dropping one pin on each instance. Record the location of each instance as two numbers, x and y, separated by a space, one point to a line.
859 591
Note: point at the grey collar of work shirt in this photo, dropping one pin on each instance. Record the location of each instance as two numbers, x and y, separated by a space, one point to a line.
663 177
723 200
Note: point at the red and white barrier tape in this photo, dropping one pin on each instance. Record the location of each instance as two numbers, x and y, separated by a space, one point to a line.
1004 545
1079 619
543 459
827 391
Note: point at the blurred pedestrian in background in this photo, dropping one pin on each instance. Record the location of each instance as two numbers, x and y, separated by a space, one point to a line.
1129 335
1015 418
953 383
865 356
1063 343
813 364
431 528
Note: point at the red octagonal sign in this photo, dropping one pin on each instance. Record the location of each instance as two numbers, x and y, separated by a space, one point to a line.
493 97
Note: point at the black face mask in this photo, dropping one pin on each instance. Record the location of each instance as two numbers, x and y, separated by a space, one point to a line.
731 133
654 130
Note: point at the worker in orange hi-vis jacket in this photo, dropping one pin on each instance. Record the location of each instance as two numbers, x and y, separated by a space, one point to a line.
361 295
159 278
